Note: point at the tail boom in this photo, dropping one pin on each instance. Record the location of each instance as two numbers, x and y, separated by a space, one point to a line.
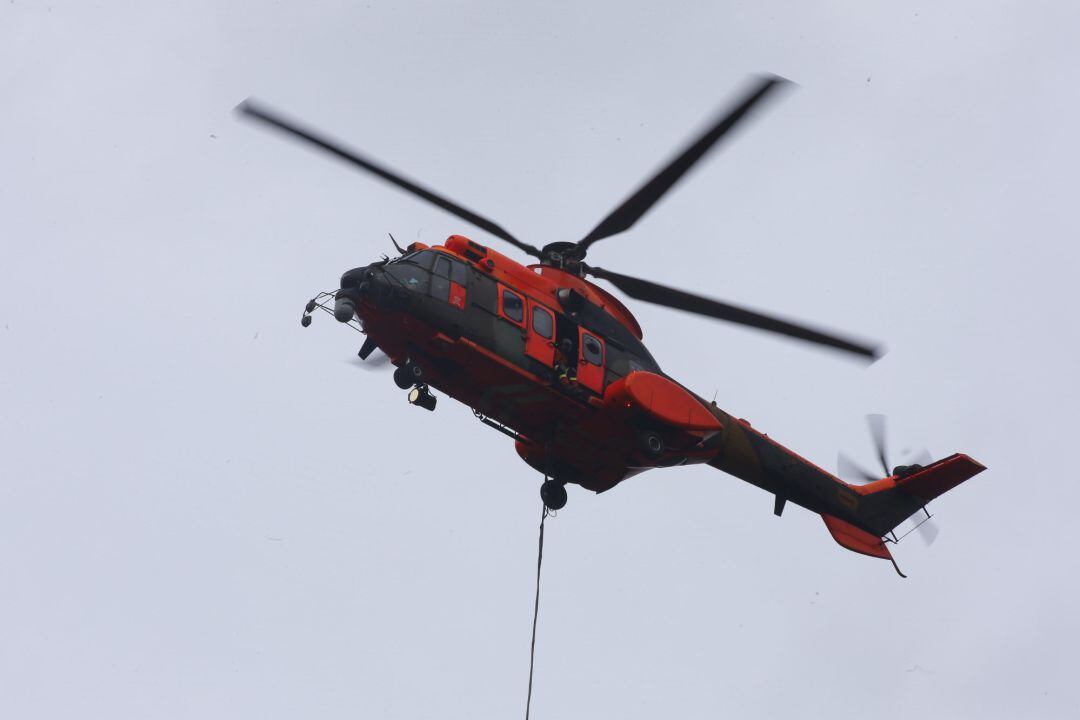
857 516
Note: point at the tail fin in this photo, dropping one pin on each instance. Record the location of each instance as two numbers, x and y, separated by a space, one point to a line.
880 506
855 539
858 540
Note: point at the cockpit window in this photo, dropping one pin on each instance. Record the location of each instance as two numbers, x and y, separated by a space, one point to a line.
442 267
440 280
458 273
423 258
409 275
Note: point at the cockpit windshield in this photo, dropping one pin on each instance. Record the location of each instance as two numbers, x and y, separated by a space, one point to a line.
423 258
409 274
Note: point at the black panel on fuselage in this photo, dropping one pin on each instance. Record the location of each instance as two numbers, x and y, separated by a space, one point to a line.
481 323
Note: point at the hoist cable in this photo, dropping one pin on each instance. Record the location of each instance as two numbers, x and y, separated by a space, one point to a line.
536 610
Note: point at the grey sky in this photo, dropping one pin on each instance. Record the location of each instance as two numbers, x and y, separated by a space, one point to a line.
205 511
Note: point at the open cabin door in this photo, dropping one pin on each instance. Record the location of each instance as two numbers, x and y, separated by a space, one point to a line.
590 369
540 335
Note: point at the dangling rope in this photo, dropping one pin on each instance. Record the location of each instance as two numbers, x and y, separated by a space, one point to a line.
536 609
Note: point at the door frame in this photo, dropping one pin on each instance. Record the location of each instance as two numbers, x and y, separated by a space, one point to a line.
590 374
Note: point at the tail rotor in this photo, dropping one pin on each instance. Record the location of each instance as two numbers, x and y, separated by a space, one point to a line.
852 472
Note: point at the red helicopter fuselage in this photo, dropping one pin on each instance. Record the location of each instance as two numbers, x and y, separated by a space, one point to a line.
558 364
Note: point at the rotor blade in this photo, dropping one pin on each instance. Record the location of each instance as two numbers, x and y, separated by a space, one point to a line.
252 109
851 471
681 300
928 531
877 432
635 206
922 457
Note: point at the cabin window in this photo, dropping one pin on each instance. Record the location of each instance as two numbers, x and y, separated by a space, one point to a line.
591 350
542 322
511 306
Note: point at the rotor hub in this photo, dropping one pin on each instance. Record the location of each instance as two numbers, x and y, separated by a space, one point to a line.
565 256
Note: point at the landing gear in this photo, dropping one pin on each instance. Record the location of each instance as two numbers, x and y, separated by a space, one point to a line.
415 372
402 378
408 375
553 493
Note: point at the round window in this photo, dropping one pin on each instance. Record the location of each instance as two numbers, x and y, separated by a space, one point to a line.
592 351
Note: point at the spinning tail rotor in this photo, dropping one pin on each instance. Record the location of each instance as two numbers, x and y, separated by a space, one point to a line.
854 473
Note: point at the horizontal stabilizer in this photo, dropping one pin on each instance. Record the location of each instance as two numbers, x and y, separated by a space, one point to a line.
884 504
940 477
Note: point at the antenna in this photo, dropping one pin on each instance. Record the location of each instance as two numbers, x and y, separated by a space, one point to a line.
400 251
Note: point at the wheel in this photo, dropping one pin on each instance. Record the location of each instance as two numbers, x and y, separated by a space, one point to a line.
415 372
403 378
553 493
651 444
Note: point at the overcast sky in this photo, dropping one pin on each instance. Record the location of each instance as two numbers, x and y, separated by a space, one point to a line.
206 511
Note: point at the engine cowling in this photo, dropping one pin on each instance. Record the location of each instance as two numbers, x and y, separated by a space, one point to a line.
663 401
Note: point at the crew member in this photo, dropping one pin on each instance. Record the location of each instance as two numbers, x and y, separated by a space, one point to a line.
564 367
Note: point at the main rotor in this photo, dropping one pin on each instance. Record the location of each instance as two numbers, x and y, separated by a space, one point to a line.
570 256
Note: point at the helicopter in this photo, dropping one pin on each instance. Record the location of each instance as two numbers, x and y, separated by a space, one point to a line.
549 358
